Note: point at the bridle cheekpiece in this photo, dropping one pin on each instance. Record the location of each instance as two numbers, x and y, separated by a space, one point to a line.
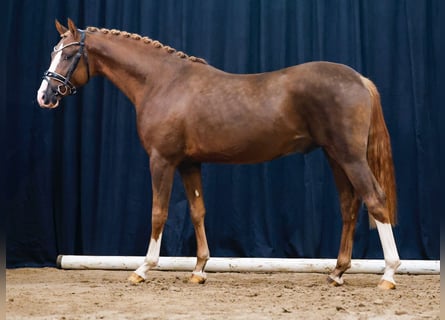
66 87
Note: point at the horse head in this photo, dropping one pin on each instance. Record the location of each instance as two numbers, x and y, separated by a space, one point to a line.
68 68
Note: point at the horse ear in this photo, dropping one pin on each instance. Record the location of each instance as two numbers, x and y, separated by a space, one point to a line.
60 27
72 27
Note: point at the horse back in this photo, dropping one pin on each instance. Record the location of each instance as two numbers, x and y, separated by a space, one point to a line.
208 115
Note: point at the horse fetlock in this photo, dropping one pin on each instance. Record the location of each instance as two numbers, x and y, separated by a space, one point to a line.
343 264
203 257
393 264
390 270
151 262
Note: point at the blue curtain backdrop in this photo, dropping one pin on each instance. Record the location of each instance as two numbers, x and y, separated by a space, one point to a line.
76 180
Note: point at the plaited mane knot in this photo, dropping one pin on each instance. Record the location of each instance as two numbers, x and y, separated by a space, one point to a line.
147 40
169 49
156 44
181 54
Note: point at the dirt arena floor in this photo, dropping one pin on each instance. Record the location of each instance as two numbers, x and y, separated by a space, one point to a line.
49 293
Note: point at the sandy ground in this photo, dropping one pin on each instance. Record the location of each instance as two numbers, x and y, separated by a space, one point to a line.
48 293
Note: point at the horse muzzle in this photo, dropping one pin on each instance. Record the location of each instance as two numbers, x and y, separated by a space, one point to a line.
47 96
48 100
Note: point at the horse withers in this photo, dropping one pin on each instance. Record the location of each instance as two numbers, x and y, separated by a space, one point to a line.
189 112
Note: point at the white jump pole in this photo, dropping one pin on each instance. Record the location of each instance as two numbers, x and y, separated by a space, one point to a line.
244 264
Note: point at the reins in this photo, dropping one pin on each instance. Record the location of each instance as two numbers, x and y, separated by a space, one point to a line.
66 87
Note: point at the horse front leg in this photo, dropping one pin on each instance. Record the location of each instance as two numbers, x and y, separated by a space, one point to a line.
191 177
162 173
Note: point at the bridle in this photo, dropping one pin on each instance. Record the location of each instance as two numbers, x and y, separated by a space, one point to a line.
66 87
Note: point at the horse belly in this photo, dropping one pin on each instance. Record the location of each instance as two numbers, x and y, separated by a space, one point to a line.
237 149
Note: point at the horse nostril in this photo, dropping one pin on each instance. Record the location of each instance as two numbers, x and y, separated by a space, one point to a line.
45 98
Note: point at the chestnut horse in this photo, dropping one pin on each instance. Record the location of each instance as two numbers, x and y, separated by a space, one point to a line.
189 112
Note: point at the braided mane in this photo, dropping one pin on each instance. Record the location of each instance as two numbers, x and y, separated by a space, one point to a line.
147 40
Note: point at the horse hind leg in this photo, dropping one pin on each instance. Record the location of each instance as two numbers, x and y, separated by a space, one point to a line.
373 196
392 261
378 211
349 204
191 177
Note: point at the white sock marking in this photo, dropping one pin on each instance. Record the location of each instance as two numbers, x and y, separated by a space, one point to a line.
392 260
201 274
152 257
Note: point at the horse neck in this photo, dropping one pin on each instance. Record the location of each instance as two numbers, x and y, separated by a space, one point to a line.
135 67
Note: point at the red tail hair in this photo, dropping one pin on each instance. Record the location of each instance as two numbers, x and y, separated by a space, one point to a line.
379 153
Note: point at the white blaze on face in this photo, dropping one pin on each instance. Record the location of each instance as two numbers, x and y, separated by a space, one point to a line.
44 85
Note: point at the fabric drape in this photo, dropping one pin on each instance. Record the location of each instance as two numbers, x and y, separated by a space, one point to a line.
76 179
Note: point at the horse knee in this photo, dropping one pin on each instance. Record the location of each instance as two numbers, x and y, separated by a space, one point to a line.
197 214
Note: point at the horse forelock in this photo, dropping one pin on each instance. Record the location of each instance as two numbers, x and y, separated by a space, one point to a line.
154 43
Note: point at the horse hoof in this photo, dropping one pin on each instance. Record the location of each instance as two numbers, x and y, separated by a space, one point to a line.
386 285
334 282
135 279
197 279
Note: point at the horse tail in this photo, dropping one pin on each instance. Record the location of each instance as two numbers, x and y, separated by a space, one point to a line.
379 153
